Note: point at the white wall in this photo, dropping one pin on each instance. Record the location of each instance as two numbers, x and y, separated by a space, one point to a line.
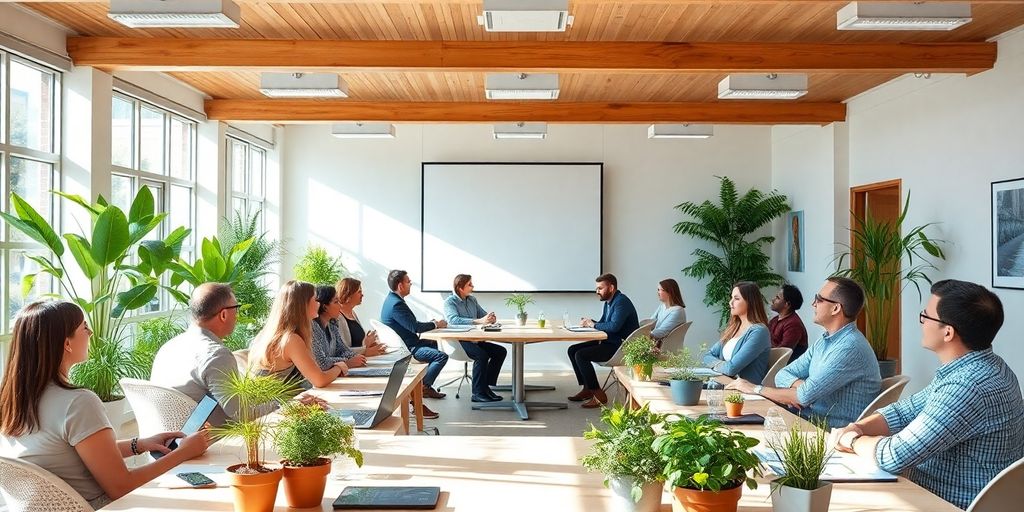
362 198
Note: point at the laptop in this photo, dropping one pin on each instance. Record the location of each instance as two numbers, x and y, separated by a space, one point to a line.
368 418
379 371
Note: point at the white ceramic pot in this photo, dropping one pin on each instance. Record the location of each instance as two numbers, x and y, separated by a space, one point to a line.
116 413
650 498
791 499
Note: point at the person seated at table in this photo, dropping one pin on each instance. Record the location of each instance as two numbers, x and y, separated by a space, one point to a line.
671 312
361 341
284 347
618 320
786 328
744 347
395 313
960 431
328 348
462 308
838 375
48 422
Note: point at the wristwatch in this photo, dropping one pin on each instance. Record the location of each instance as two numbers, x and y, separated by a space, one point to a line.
758 388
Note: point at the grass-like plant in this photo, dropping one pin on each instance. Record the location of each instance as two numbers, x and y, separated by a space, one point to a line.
641 350
150 335
681 365
108 362
308 433
253 392
803 456
319 267
623 448
519 301
702 454
735 398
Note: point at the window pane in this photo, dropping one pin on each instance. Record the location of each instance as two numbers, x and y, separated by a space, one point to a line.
157 189
180 213
238 205
32 181
31 107
238 152
256 174
121 193
181 149
257 206
151 141
20 266
121 132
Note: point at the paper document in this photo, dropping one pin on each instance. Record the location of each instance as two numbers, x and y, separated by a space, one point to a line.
841 467
455 328
579 328
361 392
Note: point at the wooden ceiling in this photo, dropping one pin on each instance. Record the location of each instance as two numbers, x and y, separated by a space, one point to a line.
674 21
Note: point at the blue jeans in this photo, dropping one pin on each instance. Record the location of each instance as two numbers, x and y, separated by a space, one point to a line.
435 360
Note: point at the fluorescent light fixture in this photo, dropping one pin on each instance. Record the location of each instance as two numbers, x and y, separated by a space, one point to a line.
303 85
363 130
680 131
175 13
521 86
762 87
520 130
525 16
903 15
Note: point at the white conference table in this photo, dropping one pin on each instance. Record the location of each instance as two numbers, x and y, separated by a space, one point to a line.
518 337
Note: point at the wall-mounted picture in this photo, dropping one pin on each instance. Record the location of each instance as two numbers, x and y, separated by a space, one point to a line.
795 239
1008 234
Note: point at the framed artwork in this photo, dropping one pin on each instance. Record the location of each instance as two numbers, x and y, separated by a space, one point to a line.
795 241
1008 234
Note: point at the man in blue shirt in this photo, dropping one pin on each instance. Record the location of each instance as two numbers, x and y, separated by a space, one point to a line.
960 431
462 308
838 375
618 320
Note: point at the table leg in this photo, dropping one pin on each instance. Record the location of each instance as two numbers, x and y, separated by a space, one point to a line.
405 416
518 402
417 403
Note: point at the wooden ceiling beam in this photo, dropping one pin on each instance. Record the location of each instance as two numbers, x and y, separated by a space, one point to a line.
739 112
172 54
571 2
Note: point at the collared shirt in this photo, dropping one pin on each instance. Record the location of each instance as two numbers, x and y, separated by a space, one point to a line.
618 318
957 434
462 311
789 332
840 375
328 348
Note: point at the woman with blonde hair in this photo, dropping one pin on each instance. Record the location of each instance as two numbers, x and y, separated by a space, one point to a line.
284 347
361 341
745 345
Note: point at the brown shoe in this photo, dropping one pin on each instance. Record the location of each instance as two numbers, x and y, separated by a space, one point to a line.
584 394
428 414
429 392
596 401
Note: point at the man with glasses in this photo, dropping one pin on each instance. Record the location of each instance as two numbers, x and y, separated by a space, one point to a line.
960 431
838 375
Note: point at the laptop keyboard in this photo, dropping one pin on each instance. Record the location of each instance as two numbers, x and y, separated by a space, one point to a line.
362 416
370 372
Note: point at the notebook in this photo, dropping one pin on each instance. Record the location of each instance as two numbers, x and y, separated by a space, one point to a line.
359 497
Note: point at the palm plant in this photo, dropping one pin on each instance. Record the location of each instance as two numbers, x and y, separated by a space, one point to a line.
875 261
519 301
252 288
728 226
319 267
252 393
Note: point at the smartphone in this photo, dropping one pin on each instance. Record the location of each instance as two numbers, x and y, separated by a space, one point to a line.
197 480
194 422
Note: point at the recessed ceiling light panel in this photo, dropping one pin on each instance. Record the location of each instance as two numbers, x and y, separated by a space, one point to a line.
175 13
903 15
303 85
763 87
525 16
520 130
521 86
680 131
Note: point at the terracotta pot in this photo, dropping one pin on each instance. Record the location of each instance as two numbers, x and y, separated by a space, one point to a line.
692 500
304 485
643 371
733 410
254 493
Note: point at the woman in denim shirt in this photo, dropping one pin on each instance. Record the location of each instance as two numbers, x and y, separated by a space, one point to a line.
745 345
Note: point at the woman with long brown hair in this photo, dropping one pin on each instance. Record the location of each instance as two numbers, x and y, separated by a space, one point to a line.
745 345
284 346
671 312
63 429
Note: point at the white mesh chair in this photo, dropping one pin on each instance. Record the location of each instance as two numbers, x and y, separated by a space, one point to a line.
674 340
157 409
242 360
778 358
456 353
30 488
892 388
389 338
1002 492
616 359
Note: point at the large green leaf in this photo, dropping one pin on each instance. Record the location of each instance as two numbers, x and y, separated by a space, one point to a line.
38 228
27 282
134 298
213 261
137 231
46 265
82 252
110 236
176 238
94 210
143 207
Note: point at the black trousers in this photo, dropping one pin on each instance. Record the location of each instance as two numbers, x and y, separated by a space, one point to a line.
584 355
487 360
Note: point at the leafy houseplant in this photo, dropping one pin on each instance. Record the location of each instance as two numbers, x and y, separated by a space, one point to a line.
519 301
875 261
803 457
684 384
706 464
623 453
252 288
150 335
304 438
728 227
641 352
318 267
734 405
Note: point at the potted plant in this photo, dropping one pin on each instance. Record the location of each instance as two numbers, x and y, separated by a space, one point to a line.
641 352
252 288
305 438
685 386
150 335
875 261
706 464
734 405
519 301
802 456
319 267
623 453
254 481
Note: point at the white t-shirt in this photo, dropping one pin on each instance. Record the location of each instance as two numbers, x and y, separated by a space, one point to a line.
729 347
66 418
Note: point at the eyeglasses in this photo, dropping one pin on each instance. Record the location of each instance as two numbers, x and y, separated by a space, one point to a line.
922 316
236 306
819 298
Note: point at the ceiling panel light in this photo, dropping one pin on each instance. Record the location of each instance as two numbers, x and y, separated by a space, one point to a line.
521 86
175 13
525 16
303 85
762 87
903 15
363 130
680 131
520 130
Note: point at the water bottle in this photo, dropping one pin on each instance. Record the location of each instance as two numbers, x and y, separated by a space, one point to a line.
565 319
775 428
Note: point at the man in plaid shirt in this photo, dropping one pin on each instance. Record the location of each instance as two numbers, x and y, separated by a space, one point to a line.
959 432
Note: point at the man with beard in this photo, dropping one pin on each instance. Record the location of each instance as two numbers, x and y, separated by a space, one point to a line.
786 329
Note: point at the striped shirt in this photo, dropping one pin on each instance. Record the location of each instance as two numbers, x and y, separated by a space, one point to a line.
840 375
957 434
328 347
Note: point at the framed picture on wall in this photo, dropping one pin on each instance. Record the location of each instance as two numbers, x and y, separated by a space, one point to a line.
795 239
1008 234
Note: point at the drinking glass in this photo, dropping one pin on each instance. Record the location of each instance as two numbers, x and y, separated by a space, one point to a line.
775 428
716 398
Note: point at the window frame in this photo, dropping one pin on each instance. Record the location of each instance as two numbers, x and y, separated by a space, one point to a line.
245 192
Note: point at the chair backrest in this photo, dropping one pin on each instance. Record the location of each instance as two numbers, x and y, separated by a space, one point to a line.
157 409
1002 492
242 360
616 359
892 388
30 488
454 350
778 358
389 337
673 341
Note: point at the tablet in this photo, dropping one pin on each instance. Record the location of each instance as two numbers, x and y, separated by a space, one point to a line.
355 497
194 422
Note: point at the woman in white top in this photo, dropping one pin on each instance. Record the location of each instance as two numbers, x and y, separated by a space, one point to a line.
671 313
63 429
745 345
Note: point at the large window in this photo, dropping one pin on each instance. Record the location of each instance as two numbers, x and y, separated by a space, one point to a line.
155 148
29 167
247 174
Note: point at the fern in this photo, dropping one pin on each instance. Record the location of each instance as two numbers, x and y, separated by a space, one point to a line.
253 289
319 267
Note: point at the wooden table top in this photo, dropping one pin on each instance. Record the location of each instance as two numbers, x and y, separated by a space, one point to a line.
512 333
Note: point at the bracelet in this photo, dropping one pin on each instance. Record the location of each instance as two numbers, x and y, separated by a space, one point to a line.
135 446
